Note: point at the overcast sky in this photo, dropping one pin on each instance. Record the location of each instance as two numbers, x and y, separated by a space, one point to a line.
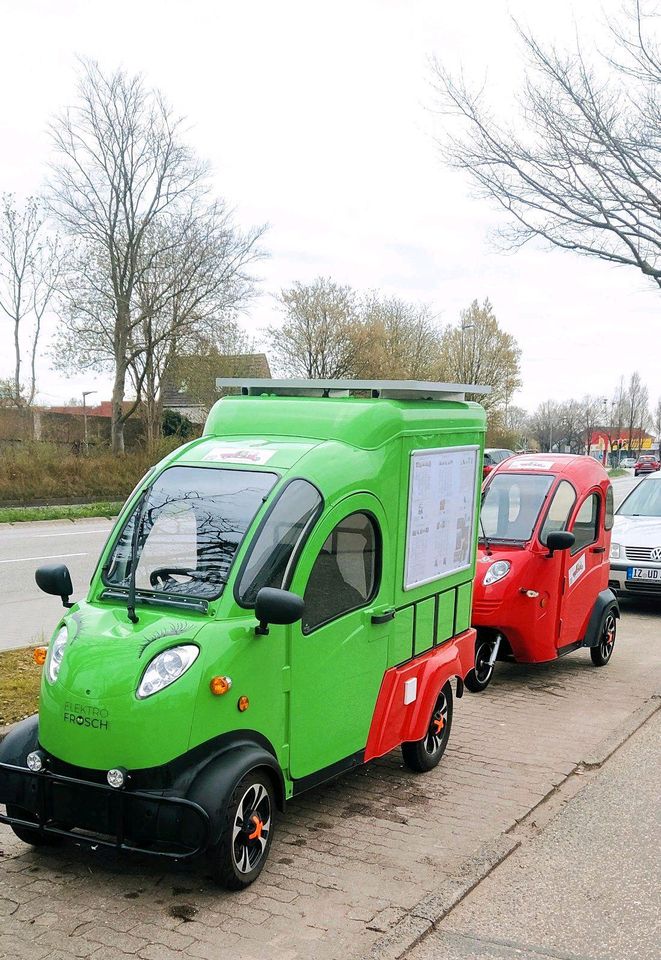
317 119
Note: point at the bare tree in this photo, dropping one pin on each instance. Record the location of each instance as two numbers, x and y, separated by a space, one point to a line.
322 333
401 340
478 350
656 423
592 413
29 269
582 167
122 163
636 401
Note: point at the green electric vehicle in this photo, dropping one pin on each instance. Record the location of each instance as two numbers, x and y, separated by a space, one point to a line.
281 599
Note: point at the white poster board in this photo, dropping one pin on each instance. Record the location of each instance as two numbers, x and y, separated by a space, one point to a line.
441 513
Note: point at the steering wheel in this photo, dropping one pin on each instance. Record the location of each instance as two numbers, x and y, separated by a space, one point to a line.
166 573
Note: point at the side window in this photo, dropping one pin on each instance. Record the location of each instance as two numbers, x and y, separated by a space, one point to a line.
610 509
276 546
345 574
586 524
561 506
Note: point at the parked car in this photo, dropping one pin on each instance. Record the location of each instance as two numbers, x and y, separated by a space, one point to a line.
541 585
280 600
628 462
494 456
646 465
635 553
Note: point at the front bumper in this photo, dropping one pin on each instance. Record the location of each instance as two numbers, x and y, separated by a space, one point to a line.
96 814
617 580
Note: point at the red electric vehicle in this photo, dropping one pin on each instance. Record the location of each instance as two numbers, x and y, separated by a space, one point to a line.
541 585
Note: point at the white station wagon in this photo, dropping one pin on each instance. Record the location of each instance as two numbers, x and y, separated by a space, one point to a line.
636 541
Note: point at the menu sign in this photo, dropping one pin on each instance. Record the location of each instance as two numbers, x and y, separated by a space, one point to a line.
441 515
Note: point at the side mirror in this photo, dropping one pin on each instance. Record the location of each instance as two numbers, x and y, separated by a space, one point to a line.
56 579
559 540
276 606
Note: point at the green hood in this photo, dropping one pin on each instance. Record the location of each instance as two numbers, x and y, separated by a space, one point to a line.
91 716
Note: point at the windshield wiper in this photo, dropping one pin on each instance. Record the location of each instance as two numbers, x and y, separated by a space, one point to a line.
484 535
139 513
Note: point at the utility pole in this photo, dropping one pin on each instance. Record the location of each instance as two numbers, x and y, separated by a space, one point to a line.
464 327
86 393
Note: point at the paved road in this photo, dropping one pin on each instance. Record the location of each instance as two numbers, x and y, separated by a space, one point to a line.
349 859
586 887
28 616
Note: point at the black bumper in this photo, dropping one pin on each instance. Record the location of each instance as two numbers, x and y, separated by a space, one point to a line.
96 814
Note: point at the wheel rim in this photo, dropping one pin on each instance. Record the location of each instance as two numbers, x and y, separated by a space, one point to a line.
483 669
438 726
252 825
608 637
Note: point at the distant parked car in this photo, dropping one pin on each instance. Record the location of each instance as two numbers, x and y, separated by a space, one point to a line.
635 553
628 462
492 457
646 465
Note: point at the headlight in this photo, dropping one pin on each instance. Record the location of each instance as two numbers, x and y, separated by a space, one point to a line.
497 571
615 551
56 653
166 668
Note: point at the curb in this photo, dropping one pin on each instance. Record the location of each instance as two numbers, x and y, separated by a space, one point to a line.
7 729
430 911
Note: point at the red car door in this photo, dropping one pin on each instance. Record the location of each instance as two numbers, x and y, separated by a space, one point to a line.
584 569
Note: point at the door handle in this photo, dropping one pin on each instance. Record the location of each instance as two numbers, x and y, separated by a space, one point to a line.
383 617
598 550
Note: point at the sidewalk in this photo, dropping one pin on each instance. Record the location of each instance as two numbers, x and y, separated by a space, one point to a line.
588 886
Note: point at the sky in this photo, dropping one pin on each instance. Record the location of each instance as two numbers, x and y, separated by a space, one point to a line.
318 119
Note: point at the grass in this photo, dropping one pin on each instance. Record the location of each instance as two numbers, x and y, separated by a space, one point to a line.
19 684
618 472
75 512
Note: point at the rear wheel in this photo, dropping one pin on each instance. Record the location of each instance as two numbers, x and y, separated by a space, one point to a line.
29 835
480 676
423 755
245 840
602 653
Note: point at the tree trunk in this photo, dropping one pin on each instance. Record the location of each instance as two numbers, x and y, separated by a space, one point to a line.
17 373
117 422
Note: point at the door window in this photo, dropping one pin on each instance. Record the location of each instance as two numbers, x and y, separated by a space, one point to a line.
345 573
610 510
561 506
276 546
586 524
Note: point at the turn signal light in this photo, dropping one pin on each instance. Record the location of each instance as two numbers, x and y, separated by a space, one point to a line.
39 655
220 685
243 704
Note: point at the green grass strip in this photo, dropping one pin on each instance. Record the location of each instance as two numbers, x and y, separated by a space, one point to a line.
74 512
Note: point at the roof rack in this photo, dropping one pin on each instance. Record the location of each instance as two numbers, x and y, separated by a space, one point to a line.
391 389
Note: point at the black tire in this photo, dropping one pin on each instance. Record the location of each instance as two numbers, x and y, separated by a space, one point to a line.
423 755
246 833
479 678
33 837
602 653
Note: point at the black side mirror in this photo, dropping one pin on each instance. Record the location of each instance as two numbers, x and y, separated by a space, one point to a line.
559 540
276 606
56 579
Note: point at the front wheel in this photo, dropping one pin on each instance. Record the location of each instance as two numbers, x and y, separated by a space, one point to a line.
245 838
423 755
602 653
28 835
479 677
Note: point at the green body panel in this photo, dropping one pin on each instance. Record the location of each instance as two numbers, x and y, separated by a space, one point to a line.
312 697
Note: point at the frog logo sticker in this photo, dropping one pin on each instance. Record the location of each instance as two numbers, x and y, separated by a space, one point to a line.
576 571
84 715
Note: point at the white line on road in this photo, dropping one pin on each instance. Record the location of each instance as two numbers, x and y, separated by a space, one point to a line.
72 533
52 556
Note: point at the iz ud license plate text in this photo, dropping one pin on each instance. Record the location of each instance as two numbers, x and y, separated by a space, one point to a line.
643 573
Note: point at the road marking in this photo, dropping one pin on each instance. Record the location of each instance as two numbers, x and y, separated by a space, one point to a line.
72 533
52 556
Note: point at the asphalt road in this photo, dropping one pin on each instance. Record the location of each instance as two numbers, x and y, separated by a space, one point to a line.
29 616
587 886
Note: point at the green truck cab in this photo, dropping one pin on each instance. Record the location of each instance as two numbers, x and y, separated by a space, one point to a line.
281 599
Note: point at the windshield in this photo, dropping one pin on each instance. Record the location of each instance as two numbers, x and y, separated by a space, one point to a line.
644 501
193 521
511 504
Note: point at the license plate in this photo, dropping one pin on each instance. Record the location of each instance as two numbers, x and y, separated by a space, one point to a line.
643 573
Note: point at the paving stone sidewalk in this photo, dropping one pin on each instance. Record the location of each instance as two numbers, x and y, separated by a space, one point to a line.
350 859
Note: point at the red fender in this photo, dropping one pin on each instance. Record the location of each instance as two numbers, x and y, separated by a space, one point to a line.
396 721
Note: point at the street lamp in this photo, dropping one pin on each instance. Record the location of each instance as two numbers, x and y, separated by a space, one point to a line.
86 393
464 326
